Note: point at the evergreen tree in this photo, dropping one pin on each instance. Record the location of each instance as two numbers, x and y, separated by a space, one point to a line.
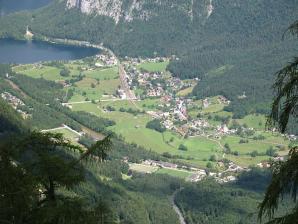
284 174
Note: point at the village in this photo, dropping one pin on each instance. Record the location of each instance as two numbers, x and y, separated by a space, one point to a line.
173 109
194 174
16 103
143 90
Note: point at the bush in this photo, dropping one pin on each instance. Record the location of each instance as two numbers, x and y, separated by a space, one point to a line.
209 165
213 158
167 155
271 152
227 148
64 72
122 109
109 108
155 125
236 153
259 137
242 141
182 147
254 153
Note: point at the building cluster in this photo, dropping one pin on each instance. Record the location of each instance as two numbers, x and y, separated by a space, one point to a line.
198 127
198 174
223 100
121 93
160 164
106 59
136 61
153 84
15 102
172 110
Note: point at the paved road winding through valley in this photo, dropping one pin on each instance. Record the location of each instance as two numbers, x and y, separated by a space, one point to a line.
176 208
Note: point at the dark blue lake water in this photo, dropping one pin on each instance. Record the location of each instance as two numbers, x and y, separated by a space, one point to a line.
9 6
12 51
23 52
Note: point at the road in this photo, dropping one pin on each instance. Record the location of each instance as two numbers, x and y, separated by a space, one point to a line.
176 208
64 126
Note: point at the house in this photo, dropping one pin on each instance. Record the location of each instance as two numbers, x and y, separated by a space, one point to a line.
121 93
206 103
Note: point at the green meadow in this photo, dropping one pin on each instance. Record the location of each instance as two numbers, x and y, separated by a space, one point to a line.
101 83
154 66
133 129
175 173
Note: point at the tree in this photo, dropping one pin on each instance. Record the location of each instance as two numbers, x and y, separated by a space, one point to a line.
213 158
156 125
182 147
284 174
65 72
285 104
33 168
254 153
209 165
271 152
227 148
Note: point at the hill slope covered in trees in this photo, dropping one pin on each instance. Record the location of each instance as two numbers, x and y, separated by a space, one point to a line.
233 46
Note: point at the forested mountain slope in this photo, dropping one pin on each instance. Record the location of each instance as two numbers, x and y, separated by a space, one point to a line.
144 198
233 46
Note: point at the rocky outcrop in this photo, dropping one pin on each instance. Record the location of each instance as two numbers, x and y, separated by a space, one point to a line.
111 8
129 10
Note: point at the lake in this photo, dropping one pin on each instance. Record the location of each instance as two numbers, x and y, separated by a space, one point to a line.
24 52
9 6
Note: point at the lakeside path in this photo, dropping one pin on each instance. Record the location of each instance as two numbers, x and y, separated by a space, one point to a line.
176 208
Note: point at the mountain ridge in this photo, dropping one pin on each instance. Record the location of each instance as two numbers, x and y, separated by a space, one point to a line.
128 10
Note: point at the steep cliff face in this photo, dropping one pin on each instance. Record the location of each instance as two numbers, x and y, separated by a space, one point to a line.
129 10
111 8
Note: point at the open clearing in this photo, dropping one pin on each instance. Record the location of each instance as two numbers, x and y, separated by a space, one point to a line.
142 168
154 66
175 173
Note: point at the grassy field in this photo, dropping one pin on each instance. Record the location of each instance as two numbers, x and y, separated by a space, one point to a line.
133 129
142 168
67 134
185 92
84 90
46 72
149 104
259 145
103 73
154 66
254 121
246 161
220 70
213 108
233 141
175 173
106 80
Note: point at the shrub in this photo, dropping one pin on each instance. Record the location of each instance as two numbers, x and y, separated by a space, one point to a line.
182 147
155 125
213 158
64 72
